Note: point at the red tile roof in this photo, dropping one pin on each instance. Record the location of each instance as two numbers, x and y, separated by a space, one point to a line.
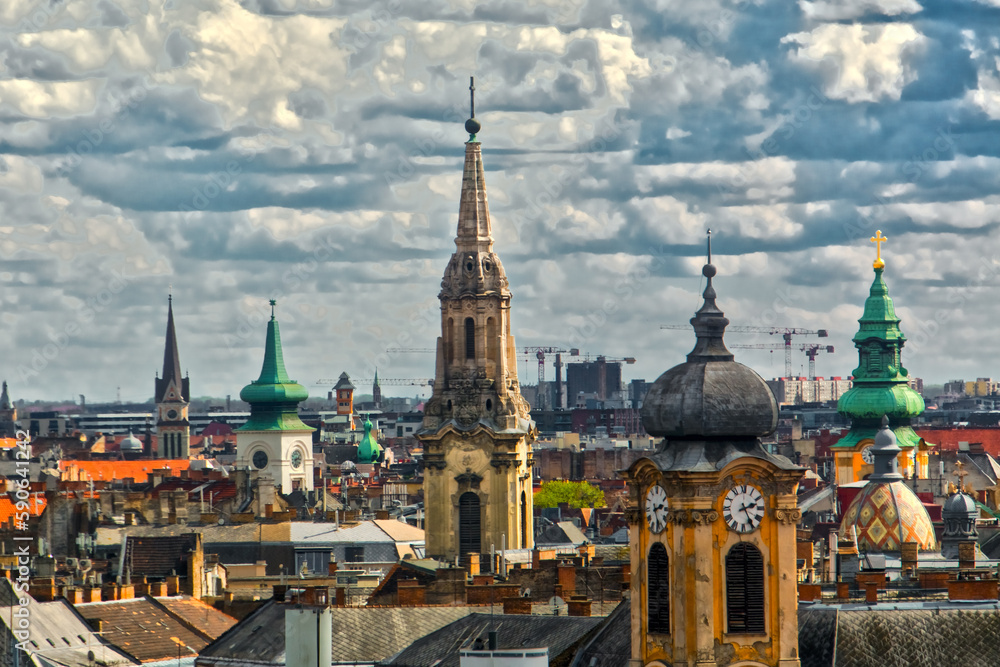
109 470
8 506
948 438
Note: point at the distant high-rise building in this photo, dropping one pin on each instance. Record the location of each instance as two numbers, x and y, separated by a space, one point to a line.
601 378
172 395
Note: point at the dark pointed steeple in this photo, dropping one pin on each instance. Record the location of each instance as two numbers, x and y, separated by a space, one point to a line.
171 364
4 398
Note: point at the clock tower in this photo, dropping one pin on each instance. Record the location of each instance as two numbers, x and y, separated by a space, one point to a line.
172 395
712 516
274 441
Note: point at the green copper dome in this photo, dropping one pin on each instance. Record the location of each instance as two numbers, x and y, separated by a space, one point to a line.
873 402
368 449
274 397
880 380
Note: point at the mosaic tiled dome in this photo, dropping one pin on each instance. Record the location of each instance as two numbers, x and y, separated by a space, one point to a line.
886 515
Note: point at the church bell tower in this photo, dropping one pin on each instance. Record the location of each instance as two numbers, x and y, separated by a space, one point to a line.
712 516
172 395
477 433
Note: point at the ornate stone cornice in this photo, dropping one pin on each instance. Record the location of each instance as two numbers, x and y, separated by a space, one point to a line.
790 515
469 478
702 516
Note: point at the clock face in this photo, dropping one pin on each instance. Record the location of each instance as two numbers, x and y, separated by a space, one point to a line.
296 458
743 508
171 414
867 456
260 459
656 508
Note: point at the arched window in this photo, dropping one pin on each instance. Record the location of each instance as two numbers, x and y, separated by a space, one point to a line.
658 589
745 589
470 338
468 523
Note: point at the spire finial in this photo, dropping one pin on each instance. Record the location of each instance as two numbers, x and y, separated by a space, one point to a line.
709 322
878 239
472 125
273 303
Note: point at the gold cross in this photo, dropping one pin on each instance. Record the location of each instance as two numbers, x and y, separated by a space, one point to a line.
960 472
877 240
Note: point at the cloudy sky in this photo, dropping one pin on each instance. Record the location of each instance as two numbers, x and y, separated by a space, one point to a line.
310 151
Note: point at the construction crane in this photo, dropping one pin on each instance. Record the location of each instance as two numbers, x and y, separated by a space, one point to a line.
785 332
398 350
540 352
811 350
392 381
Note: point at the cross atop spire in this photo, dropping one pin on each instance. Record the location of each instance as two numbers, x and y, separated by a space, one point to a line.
878 239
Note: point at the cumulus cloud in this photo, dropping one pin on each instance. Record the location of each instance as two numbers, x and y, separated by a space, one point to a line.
862 63
311 151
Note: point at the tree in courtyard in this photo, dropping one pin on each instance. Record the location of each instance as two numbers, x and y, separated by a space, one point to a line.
576 494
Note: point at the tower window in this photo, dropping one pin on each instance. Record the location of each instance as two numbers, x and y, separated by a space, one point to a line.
745 589
658 589
468 523
470 338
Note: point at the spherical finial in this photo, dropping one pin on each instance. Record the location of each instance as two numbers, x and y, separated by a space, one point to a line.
708 271
472 126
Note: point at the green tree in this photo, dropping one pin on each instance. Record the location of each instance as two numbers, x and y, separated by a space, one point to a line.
576 494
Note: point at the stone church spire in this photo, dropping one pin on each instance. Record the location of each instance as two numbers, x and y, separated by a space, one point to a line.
172 395
477 432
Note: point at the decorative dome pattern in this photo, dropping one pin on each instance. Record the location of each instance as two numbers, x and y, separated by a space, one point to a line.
886 515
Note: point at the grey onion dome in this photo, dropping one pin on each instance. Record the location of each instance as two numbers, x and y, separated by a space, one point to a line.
711 395
130 443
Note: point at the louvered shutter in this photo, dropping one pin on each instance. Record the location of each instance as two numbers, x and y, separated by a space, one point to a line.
658 589
745 590
468 523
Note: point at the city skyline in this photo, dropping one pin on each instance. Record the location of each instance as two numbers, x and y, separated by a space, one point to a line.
304 151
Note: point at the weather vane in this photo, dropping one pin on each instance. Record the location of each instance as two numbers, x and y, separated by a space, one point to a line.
878 239
273 303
